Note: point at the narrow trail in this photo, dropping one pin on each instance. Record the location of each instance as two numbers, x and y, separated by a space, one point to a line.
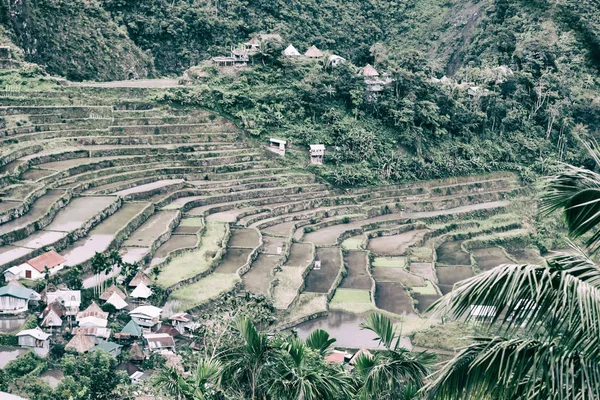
139 83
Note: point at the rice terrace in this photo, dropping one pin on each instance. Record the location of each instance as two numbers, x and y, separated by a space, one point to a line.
185 196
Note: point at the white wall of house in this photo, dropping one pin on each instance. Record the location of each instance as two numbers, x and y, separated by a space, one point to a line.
40 347
12 305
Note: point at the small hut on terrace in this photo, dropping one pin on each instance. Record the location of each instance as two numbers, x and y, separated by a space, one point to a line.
313 52
291 51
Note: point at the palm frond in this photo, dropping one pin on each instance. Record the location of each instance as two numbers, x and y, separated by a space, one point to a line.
559 298
320 341
382 326
577 192
516 368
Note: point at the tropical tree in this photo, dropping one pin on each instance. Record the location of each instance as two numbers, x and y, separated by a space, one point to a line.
299 372
203 383
543 338
394 372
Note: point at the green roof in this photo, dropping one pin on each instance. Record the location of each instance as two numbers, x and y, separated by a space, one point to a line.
132 328
16 291
107 346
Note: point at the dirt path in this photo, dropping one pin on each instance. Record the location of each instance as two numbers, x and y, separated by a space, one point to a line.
140 83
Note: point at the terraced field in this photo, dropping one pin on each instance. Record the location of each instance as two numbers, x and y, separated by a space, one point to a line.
183 195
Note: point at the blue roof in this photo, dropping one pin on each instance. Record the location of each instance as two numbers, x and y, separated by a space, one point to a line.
16 291
107 346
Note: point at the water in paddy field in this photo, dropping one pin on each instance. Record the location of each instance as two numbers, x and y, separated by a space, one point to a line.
11 324
345 328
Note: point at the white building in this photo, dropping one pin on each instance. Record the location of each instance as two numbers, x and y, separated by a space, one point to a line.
116 301
317 152
70 299
52 315
141 292
15 299
277 146
335 60
146 316
183 322
97 334
36 340
35 268
291 51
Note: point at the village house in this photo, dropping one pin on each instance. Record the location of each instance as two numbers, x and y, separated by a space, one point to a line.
291 51
183 322
252 45
113 289
160 341
36 340
35 268
140 277
372 80
97 334
80 343
15 299
335 60
69 299
146 316
93 316
132 329
313 52
277 146
141 292
224 61
52 315
110 347
317 152
116 301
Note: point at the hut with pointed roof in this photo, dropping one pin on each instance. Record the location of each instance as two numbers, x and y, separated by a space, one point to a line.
80 343
112 290
291 51
132 329
369 71
52 315
109 347
135 353
141 292
93 310
140 277
313 52
116 301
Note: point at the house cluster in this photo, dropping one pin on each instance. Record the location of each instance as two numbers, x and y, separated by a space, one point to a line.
92 328
316 151
241 55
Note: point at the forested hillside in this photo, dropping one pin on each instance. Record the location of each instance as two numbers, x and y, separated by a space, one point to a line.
534 64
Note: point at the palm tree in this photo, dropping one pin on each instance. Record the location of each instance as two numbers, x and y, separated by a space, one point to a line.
202 382
543 339
246 363
392 373
299 372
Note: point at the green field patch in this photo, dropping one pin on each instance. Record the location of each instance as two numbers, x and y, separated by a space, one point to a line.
427 289
351 296
191 222
196 262
390 262
206 289
353 243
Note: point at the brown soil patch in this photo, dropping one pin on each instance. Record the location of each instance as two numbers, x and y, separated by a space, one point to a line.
259 278
356 267
247 238
321 280
396 245
386 274
233 260
392 297
490 257
451 253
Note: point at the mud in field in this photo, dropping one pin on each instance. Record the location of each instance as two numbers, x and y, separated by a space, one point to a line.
78 212
246 238
133 255
271 243
148 187
259 278
282 229
85 249
527 256
175 242
321 280
300 255
425 270
356 267
397 275
233 260
226 216
451 253
151 230
449 275
392 297
345 328
35 174
425 300
490 257
40 239
396 245
38 209
6 205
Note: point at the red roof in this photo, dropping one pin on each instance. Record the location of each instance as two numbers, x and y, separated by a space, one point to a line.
50 259
253 41
336 357
370 71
